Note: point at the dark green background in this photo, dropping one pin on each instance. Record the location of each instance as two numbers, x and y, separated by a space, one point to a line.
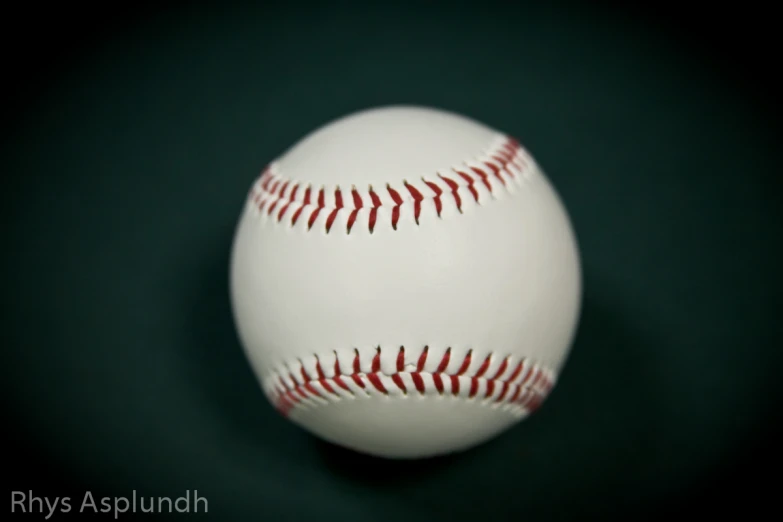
126 166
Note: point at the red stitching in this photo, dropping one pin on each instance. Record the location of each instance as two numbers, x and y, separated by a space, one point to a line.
417 197
397 203
483 175
471 184
455 190
357 204
321 205
285 186
495 171
266 176
527 393
376 202
305 202
338 204
438 191
322 378
272 207
503 163
338 375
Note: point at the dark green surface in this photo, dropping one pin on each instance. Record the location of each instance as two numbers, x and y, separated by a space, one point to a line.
128 175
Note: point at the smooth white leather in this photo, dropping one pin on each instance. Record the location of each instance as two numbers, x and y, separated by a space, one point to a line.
501 278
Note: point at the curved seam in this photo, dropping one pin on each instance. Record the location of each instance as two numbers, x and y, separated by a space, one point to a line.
520 386
292 202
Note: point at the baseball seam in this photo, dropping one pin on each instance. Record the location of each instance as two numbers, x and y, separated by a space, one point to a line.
518 387
500 167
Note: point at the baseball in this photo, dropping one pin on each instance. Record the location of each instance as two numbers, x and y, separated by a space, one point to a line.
405 282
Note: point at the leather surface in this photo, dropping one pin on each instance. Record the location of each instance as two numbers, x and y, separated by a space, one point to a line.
496 278
125 178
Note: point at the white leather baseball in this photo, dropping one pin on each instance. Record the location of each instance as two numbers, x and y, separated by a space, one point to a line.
405 282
